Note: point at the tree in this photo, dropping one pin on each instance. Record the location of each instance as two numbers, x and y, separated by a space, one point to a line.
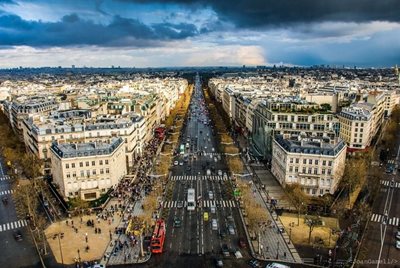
354 173
297 197
312 222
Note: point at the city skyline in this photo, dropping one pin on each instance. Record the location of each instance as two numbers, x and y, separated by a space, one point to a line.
176 33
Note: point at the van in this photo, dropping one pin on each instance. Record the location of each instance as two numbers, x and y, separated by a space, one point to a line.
205 216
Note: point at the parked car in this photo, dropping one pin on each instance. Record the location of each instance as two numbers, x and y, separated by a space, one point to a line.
225 250
176 163
231 230
219 172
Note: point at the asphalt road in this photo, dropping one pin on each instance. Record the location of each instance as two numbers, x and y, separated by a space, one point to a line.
194 243
380 239
13 253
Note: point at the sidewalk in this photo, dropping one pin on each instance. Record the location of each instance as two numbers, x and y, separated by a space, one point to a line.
273 244
65 248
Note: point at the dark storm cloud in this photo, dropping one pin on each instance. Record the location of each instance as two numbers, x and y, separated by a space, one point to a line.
73 30
267 13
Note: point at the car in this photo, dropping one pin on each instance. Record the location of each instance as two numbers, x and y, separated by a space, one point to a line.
215 160
212 209
179 204
398 244
212 149
177 222
210 195
181 163
219 263
188 168
214 225
231 230
176 163
208 172
17 235
242 243
222 233
219 172
205 216
225 250
254 263
398 235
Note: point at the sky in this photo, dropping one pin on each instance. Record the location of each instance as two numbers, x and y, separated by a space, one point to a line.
169 33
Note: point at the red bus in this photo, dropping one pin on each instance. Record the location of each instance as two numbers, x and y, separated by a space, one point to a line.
159 132
157 240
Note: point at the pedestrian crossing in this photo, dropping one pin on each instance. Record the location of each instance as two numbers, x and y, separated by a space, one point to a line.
204 203
379 218
13 225
387 183
195 178
6 192
213 154
4 178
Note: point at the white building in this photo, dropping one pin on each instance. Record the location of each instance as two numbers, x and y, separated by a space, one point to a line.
88 170
317 164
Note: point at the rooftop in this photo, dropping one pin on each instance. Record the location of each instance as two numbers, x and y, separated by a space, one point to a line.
72 150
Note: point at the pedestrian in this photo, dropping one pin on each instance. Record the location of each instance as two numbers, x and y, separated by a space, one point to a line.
67 222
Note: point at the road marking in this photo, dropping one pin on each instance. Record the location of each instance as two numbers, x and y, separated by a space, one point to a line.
390 221
6 192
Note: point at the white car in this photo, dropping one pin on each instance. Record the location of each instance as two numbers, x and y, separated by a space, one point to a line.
212 209
210 195
176 163
214 225
219 172
397 244
181 163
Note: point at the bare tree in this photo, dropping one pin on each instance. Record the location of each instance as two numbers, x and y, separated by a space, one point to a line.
297 197
312 222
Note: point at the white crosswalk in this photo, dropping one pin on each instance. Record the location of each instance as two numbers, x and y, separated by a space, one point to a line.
205 204
4 178
379 218
195 178
213 154
12 225
6 192
387 183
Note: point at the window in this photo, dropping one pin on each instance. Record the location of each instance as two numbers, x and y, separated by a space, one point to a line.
74 174
94 172
80 164
101 171
297 160
82 173
315 170
93 163
291 160
304 170
87 163
310 161
324 162
66 165
107 170
329 171
314 191
309 170
321 191
290 169
304 161
106 161
296 169
330 163
323 171
100 162
316 162
68 175
73 165
87 173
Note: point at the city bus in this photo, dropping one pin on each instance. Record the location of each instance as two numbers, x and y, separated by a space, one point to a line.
191 199
182 149
157 239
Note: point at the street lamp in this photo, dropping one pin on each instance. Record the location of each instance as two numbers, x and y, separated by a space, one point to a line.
79 256
290 234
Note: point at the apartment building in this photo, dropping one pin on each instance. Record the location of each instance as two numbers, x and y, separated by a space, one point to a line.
316 163
360 122
79 126
87 170
289 115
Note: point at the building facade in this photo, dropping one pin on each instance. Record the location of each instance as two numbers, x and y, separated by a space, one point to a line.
88 170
